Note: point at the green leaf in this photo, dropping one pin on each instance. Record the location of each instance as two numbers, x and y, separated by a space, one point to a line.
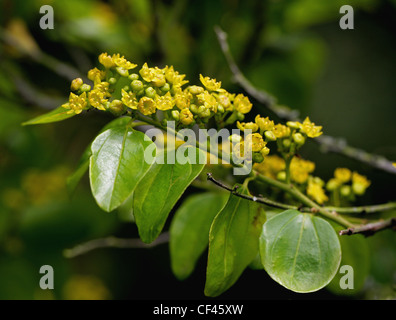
300 251
159 191
83 164
233 243
117 165
189 230
355 253
55 115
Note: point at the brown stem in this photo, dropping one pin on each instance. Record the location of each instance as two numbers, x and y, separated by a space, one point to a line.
371 228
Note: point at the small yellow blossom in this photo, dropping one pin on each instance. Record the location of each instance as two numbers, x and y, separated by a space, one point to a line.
225 101
359 183
210 84
174 77
106 60
207 100
76 103
342 175
300 169
315 190
147 106
182 99
281 131
155 76
265 124
247 126
76 84
120 61
97 99
165 102
129 99
271 166
242 103
186 117
257 142
96 75
310 129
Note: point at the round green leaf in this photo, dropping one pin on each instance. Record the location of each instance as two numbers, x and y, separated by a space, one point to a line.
300 251
117 165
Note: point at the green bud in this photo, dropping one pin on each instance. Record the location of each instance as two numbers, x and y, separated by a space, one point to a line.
150 92
292 124
332 185
286 143
235 138
204 114
257 157
240 116
269 136
345 191
85 88
298 138
122 72
196 89
194 108
137 85
133 76
165 88
117 107
176 115
281 176
140 93
112 80
220 108
126 88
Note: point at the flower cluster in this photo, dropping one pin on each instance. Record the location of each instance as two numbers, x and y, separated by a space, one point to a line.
115 88
347 183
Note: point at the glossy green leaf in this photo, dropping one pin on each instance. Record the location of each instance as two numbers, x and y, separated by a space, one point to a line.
83 164
159 191
300 251
189 230
117 165
355 253
233 243
55 115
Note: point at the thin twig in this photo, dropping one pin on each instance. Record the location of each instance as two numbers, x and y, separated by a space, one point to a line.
371 228
113 242
262 200
365 209
327 143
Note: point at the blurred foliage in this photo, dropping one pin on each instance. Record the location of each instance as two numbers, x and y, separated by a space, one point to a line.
293 49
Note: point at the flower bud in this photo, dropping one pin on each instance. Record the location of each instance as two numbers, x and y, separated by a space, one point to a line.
175 115
76 84
220 108
194 108
112 80
293 124
257 157
196 89
133 76
240 116
269 136
281 175
235 138
85 88
122 71
286 143
265 151
150 92
117 108
137 85
165 88
298 139
345 191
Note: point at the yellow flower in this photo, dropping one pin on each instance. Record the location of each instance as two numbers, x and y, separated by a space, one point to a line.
129 99
76 103
153 75
96 75
174 77
186 117
242 103
342 175
247 126
257 142
315 190
182 99
210 84
106 60
310 129
165 102
281 131
265 124
147 106
271 166
359 183
208 101
225 101
300 169
120 61
97 99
